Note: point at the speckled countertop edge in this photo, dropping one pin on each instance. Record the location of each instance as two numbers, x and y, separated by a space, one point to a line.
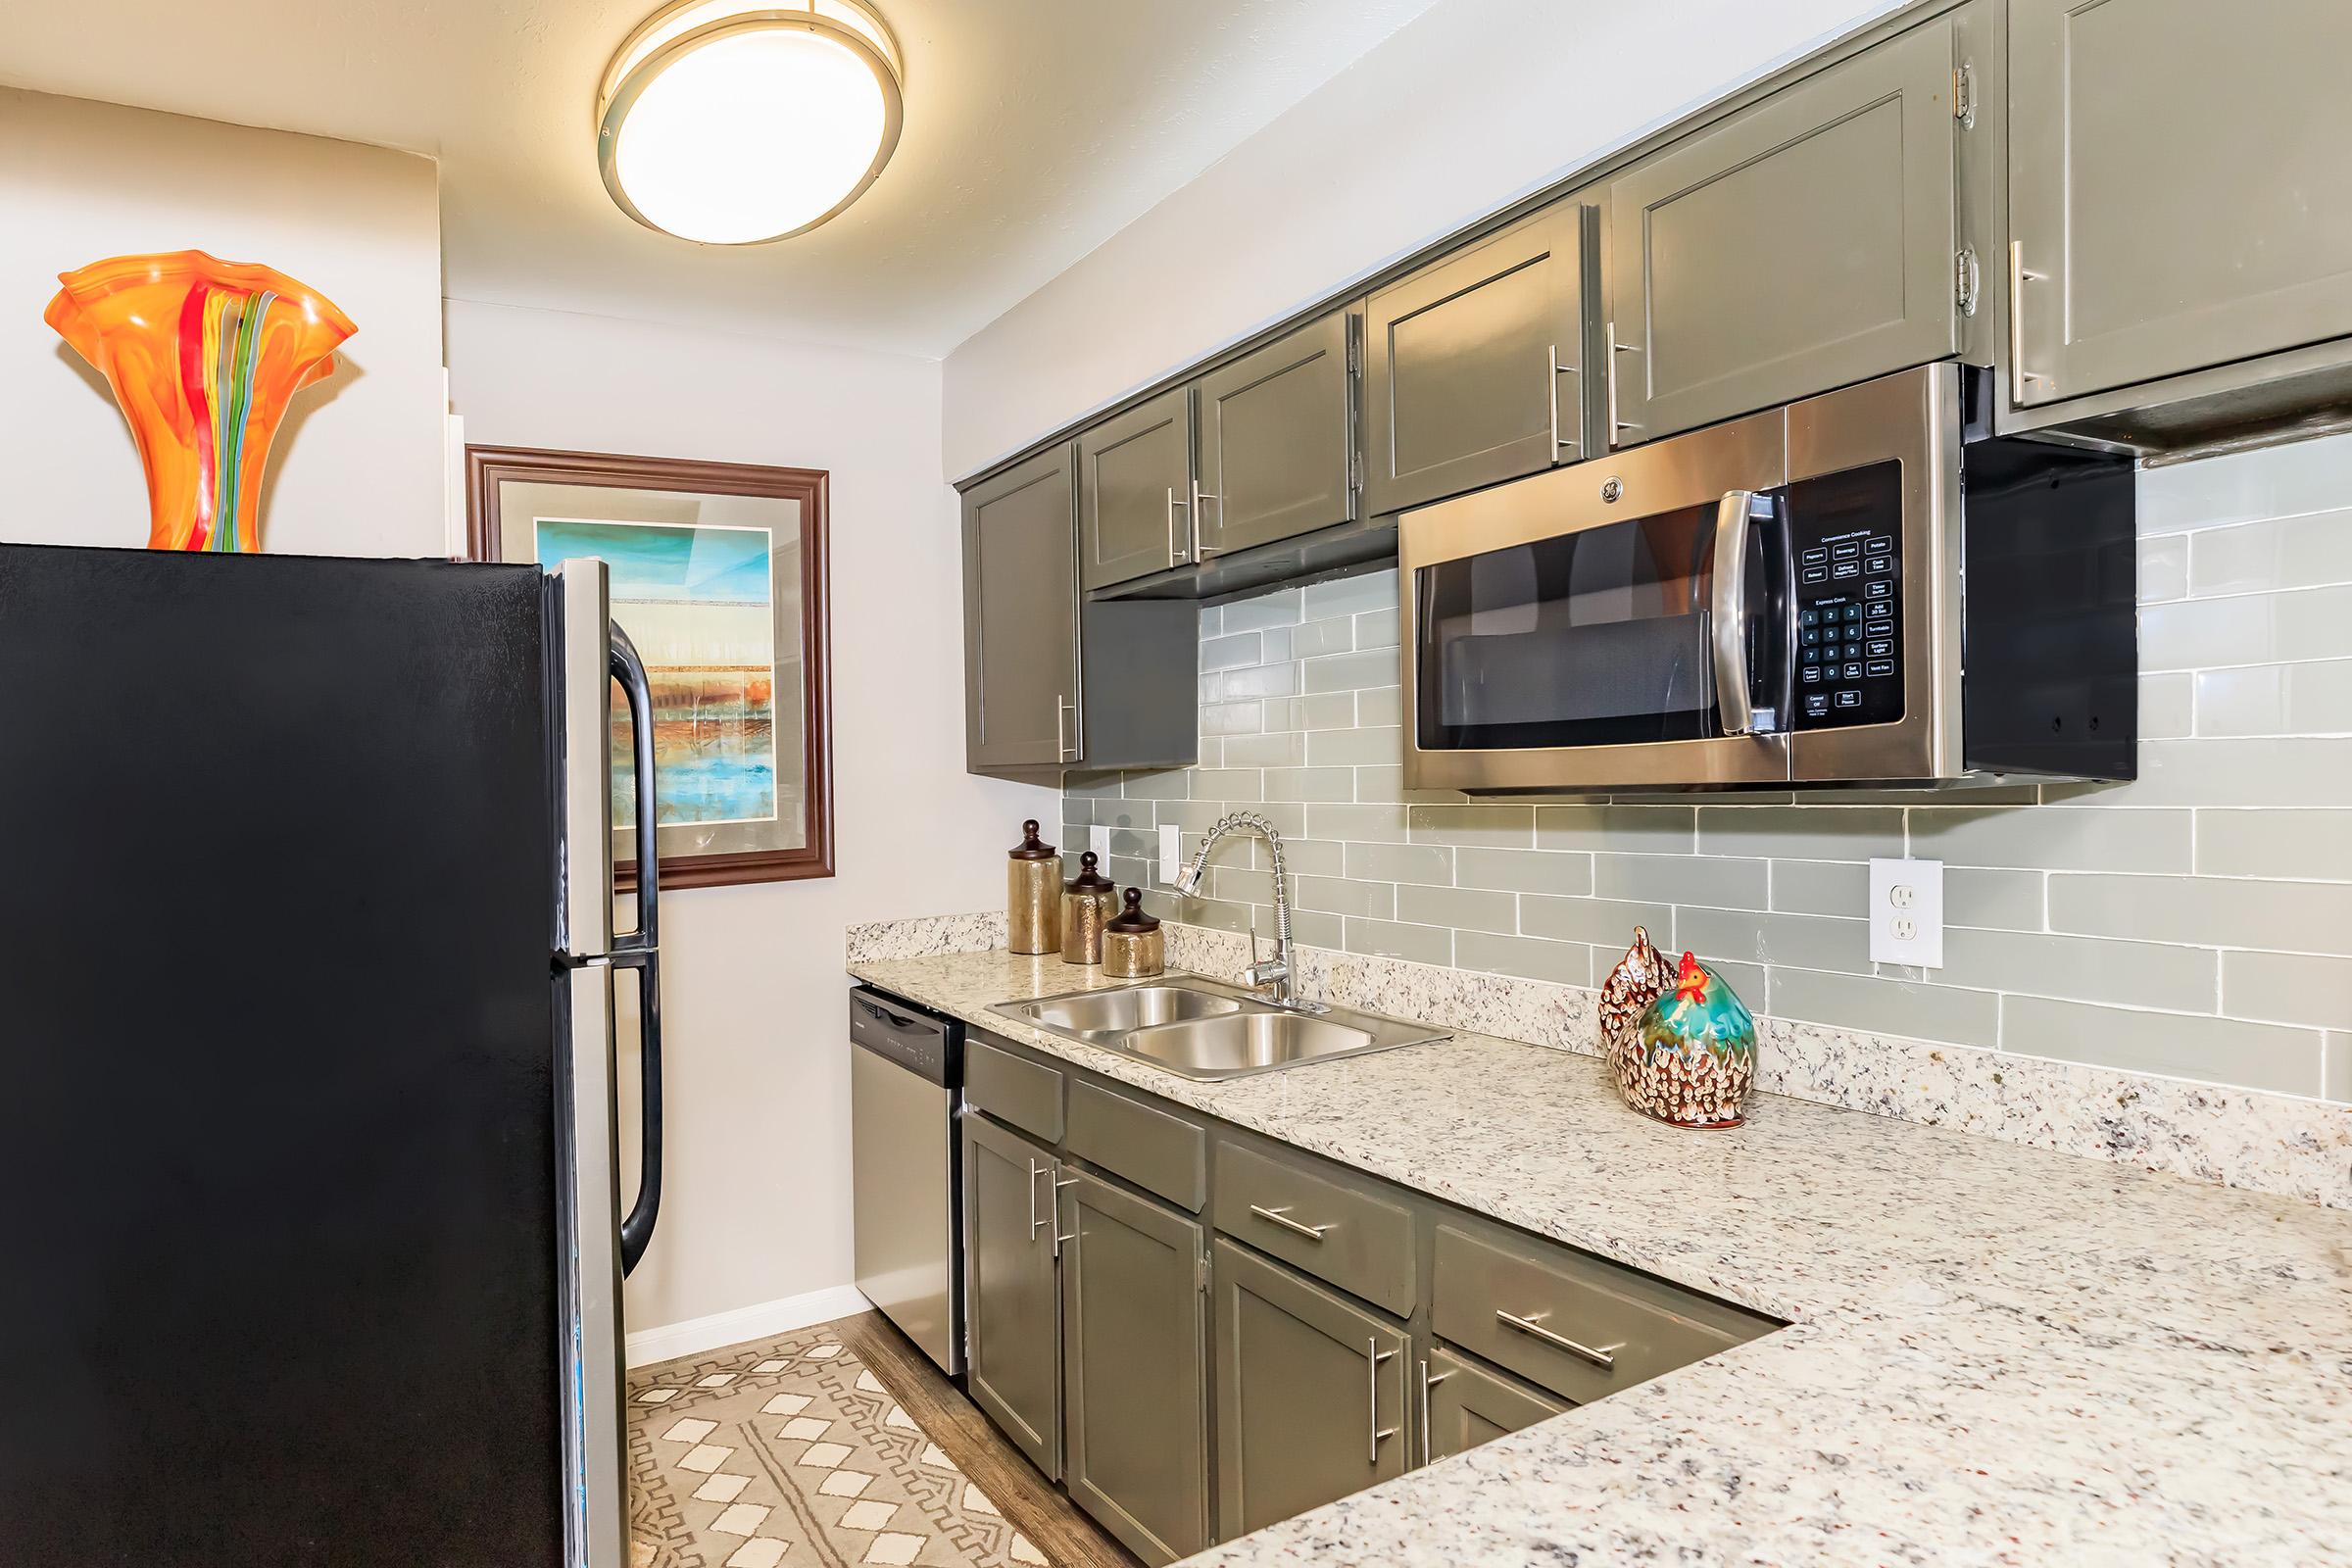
1999 1354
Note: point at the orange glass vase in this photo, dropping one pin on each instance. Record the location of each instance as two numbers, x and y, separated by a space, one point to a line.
203 356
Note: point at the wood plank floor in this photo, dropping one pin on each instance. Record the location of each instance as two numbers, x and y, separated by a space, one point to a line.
1050 1521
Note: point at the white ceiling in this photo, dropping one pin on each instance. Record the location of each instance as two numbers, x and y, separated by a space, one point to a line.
1035 129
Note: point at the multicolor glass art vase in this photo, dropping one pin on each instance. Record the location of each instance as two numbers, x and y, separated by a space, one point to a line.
1697 1054
204 356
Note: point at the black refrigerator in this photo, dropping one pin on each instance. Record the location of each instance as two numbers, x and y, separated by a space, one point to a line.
313 1251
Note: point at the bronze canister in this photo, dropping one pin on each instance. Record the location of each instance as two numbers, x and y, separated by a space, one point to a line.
1087 904
1134 947
1033 895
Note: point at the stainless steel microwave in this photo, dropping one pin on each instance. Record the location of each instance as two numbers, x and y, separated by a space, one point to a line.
1865 587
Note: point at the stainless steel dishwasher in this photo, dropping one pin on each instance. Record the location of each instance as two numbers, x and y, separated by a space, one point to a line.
904 1067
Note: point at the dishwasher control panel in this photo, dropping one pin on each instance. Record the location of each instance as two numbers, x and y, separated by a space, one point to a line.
890 1029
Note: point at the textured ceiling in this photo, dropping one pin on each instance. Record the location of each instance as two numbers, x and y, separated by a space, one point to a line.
1035 129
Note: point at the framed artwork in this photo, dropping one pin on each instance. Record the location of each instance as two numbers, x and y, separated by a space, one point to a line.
719 576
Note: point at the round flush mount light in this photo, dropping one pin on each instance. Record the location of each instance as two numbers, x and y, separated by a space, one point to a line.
731 124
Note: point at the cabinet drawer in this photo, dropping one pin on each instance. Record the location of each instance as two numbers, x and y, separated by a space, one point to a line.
1337 1232
1629 1326
1017 1091
1158 1153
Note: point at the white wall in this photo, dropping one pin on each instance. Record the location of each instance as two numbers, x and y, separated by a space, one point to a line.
756 1018
357 467
1472 104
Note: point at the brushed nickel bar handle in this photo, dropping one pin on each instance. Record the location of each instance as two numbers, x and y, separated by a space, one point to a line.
1428 1383
1373 1356
1062 748
1060 1239
2019 277
1201 552
1528 1325
1616 348
1282 1217
1551 357
1034 1170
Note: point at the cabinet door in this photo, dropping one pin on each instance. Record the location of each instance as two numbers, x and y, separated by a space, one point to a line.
1474 367
1278 440
1020 626
1135 481
1463 1405
1310 1393
1802 244
1135 1368
2179 190
1013 1308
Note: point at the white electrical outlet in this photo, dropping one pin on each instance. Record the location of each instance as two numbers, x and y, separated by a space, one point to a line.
1171 853
1097 839
1906 912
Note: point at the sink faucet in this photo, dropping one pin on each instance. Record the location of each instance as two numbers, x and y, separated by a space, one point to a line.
1282 974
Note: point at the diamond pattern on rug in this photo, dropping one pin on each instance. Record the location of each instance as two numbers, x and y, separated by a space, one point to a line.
791 1453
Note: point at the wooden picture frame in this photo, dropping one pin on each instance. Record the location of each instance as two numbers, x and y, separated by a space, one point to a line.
489 469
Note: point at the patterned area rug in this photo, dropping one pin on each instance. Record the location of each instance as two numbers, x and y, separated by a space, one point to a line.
791 1454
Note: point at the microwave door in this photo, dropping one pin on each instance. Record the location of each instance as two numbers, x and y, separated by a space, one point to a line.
1584 631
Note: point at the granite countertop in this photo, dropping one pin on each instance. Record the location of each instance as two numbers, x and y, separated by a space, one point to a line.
1996 1354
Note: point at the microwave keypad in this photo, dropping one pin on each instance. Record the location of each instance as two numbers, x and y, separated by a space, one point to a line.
1850 646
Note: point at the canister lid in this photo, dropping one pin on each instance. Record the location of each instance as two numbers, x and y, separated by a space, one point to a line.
1088 879
1030 848
1132 918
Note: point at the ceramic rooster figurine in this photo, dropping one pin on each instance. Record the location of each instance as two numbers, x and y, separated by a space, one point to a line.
1639 980
1695 1058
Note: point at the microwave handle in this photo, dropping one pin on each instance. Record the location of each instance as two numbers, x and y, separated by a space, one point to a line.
1733 514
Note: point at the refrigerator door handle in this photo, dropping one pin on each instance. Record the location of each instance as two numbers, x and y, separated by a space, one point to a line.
640 950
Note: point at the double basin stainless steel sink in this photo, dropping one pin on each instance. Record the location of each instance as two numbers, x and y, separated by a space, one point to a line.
1198 1028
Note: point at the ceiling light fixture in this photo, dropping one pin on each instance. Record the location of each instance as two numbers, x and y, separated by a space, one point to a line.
733 124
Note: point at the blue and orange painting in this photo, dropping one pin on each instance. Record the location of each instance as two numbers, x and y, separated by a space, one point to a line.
698 602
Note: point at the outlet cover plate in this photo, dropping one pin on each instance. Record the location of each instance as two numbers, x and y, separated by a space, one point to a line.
1097 839
1171 853
1906 912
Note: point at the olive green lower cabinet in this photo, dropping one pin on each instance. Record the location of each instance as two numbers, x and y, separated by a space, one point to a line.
1012 1300
1200 1331
1134 1373
1310 1393
1463 1405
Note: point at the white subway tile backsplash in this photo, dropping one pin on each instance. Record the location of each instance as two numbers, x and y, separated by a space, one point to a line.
2215 911
2313 844
2310 551
2313 698
2196 922
2255 1055
1491 827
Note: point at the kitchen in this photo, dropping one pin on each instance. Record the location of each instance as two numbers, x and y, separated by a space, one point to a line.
2030 1244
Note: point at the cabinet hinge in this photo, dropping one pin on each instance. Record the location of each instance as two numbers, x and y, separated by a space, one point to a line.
1201 1272
1355 345
1355 467
1965 280
1964 94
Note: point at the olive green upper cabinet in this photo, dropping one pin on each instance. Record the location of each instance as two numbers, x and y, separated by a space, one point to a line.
1277 440
2179 195
1475 366
1135 482
1134 1355
1011 1296
1803 243
1021 632
1310 1394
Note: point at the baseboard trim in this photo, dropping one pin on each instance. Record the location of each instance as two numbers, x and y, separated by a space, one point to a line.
759 1321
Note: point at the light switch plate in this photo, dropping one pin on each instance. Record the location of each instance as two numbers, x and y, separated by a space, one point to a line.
1171 853
1097 839
1906 912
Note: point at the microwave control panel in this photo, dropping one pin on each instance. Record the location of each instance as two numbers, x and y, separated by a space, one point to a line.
1849 661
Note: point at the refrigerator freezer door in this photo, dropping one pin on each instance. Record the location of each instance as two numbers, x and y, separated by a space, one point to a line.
279 1065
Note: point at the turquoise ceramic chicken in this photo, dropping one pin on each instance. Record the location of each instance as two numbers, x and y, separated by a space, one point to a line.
1698 1052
